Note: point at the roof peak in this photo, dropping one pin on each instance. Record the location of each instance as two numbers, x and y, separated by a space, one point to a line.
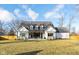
37 21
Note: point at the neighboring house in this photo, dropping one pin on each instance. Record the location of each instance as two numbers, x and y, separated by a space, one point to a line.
38 29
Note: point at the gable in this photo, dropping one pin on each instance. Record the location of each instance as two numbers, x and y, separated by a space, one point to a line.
23 29
51 30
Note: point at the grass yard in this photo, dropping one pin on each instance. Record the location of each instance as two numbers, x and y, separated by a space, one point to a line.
43 47
75 37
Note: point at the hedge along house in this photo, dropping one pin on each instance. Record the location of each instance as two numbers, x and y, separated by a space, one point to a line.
37 29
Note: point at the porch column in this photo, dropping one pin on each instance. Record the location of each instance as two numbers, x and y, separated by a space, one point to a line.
40 35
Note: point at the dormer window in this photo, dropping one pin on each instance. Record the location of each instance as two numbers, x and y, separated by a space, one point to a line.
36 27
45 27
41 27
31 27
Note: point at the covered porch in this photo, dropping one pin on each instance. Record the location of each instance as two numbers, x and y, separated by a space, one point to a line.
35 34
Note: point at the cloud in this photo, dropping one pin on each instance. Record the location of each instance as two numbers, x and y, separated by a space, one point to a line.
58 7
32 14
28 13
54 12
25 7
17 12
58 15
6 16
20 14
47 15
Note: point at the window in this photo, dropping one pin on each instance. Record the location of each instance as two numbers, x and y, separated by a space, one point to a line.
36 27
22 34
31 27
45 27
41 27
50 34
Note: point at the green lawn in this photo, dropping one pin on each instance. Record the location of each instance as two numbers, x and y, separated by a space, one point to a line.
43 47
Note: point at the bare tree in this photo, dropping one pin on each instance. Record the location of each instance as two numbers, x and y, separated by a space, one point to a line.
1 24
11 32
14 25
74 30
70 23
61 21
76 11
1 27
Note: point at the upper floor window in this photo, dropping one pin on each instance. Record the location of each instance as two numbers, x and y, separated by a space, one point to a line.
31 27
41 27
45 27
36 27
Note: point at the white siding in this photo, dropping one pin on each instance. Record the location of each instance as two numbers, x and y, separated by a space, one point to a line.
18 33
51 30
50 37
21 31
61 35
45 35
27 35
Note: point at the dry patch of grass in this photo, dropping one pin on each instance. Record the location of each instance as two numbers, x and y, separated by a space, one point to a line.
44 47
7 37
75 37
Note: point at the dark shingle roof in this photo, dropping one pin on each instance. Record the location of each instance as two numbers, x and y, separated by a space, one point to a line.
27 24
36 22
61 30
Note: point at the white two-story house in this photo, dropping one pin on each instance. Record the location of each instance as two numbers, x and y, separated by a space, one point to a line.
39 29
